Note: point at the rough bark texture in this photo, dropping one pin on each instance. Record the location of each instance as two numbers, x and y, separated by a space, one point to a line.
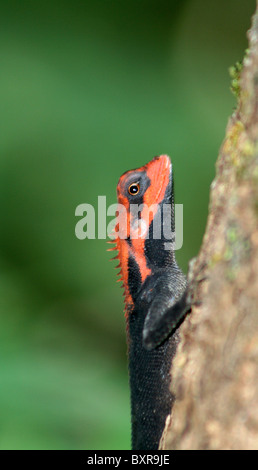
215 372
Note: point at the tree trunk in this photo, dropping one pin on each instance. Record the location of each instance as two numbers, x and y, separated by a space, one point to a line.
215 372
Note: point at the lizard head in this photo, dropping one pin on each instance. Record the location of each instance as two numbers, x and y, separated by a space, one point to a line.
140 194
146 184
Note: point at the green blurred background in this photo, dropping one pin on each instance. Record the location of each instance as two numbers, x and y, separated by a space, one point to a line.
88 90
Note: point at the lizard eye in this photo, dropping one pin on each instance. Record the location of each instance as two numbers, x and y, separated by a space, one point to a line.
133 189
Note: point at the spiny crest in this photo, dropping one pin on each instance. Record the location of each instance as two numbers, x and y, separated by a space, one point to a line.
121 247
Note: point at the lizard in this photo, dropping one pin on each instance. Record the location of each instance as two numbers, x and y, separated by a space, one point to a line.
155 291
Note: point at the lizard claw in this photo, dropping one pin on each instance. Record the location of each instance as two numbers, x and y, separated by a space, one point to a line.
157 328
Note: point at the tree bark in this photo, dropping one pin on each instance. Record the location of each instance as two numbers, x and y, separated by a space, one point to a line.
215 372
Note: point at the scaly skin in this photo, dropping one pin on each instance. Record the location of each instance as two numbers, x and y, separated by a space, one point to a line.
155 300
